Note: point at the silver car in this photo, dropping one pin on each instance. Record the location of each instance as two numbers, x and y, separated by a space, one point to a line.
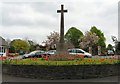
51 52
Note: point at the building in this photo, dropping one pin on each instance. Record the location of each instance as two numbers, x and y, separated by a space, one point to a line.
3 47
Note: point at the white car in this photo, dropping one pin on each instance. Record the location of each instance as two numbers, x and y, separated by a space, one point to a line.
110 52
79 52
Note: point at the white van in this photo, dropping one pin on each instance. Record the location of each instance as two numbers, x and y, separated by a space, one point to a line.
79 51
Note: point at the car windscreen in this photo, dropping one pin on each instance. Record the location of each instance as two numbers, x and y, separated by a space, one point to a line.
79 51
82 50
36 52
51 51
33 52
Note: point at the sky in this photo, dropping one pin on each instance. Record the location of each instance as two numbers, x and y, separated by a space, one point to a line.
35 19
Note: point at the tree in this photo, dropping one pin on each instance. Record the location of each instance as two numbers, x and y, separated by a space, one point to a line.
110 47
73 36
19 44
52 40
118 48
88 40
102 39
32 45
11 49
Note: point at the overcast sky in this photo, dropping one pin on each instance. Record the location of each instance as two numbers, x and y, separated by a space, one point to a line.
36 19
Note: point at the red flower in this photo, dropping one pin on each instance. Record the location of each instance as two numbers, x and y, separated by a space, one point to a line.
111 61
55 55
68 58
46 58
47 55
42 56
64 54
77 55
50 56
82 58
102 59
60 55
72 58
89 60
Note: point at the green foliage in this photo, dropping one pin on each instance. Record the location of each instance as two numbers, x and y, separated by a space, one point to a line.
32 45
102 39
118 48
12 49
97 31
19 44
7 61
73 36
109 47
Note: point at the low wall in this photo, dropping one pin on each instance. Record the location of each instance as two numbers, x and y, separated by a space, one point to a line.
61 72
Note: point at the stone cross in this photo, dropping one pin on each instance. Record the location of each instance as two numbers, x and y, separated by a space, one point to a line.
62 11
61 46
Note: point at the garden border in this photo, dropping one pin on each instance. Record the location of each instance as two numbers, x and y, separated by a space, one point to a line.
61 72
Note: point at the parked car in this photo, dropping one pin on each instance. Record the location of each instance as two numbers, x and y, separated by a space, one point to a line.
110 52
48 53
79 52
71 51
51 52
32 54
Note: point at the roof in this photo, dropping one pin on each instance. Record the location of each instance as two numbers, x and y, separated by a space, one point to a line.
3 42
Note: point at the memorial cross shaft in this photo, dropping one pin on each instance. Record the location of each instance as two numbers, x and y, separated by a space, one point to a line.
62 11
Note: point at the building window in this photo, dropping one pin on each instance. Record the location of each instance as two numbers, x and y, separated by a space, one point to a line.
2 49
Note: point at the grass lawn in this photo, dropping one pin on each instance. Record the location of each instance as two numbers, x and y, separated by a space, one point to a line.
40 61
0 61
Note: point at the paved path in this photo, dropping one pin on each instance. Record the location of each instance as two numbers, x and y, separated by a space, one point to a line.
8 78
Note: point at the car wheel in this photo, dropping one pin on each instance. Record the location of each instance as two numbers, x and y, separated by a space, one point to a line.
85 56
24 58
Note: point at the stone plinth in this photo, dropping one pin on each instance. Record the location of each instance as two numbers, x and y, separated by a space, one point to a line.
61 48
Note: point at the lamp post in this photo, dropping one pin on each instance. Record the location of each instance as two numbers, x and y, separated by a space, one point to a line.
116 44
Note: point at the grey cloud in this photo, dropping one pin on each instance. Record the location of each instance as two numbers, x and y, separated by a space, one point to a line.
43 17
12 17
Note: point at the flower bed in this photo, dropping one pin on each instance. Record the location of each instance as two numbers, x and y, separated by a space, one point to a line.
76 61
77 68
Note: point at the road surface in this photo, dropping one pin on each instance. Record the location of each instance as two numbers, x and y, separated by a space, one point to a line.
8 78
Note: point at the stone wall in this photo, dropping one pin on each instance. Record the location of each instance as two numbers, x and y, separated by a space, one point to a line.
61 72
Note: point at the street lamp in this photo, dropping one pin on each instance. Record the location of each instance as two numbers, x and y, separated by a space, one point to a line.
116 43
